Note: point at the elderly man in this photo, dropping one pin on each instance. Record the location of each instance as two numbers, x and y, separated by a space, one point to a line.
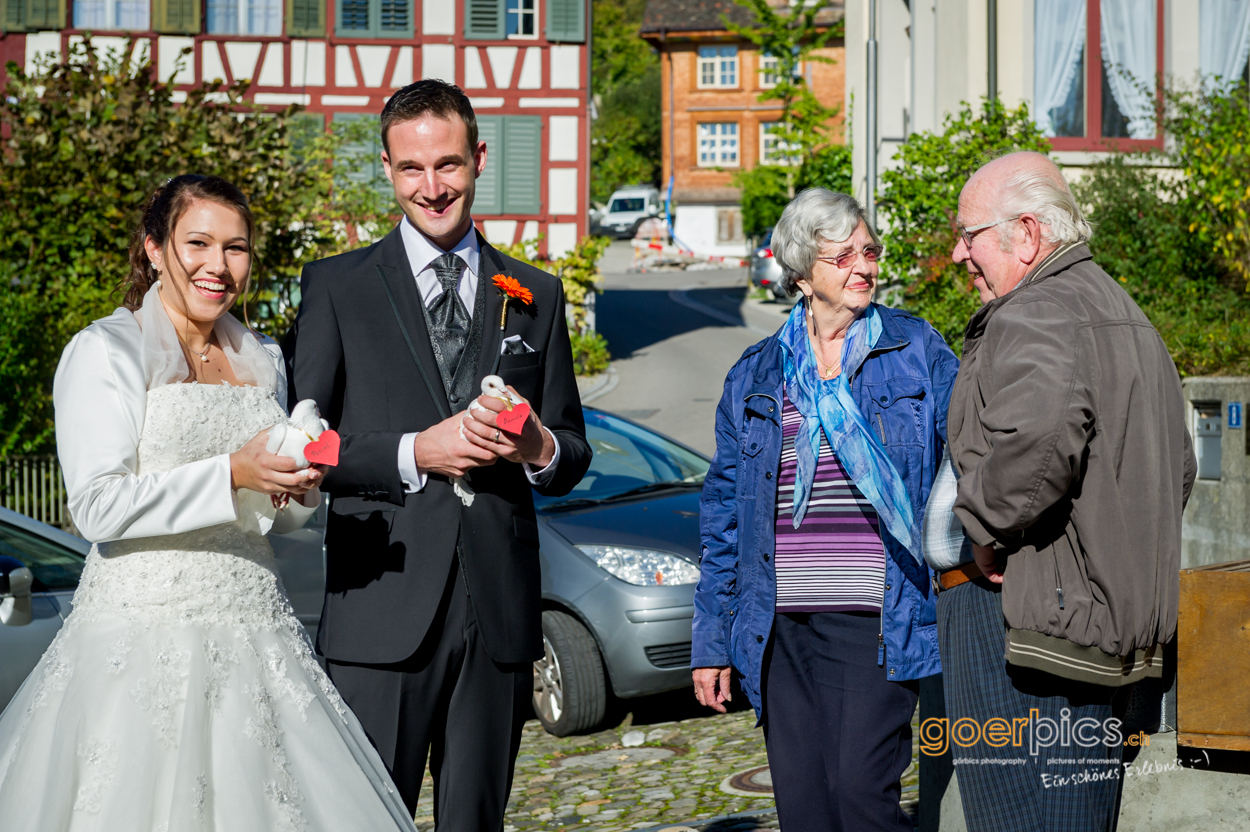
1067 433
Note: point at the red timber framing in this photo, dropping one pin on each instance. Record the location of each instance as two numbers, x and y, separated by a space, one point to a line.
538 85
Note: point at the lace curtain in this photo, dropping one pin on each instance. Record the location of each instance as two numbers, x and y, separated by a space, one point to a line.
1059 43
1128 52
1225 39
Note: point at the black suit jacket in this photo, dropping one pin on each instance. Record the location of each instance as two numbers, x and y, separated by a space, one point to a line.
358 348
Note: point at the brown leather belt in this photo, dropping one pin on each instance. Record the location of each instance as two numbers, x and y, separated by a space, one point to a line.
952 578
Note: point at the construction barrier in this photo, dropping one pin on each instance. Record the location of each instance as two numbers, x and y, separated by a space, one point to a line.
681 252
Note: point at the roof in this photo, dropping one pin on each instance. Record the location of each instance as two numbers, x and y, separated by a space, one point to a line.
706 15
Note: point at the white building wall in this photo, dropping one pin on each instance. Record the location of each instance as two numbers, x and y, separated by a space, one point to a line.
696 228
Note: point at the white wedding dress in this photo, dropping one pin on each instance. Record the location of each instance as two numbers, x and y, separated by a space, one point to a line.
182 693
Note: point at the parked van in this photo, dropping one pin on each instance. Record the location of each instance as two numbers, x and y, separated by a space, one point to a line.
627 209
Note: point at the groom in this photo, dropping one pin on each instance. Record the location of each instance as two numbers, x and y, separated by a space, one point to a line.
432 614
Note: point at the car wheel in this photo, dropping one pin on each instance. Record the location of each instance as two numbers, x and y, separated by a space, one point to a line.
570 694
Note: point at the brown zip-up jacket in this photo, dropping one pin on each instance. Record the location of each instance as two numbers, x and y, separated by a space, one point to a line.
1067 429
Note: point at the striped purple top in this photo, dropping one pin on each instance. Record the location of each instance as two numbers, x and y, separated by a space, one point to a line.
834 561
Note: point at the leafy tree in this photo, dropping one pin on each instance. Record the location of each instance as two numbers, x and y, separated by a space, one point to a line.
88 139
625 85
765 188
919 202
1142 238
791 39
1211 131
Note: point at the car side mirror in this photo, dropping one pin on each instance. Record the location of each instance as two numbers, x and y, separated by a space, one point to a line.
15 583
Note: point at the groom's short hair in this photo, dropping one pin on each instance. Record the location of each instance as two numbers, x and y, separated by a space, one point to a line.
429 97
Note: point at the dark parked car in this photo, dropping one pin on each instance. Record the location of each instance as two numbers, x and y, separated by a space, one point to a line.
619 562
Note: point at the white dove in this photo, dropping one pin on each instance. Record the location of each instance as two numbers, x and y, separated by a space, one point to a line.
491 386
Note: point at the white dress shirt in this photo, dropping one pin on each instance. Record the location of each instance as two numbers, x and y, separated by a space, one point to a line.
421 254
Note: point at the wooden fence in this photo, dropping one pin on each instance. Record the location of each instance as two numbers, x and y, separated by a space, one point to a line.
32 485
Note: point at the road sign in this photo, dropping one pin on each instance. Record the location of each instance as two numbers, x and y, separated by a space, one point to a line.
1234 415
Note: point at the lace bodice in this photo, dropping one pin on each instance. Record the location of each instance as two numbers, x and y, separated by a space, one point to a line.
221 574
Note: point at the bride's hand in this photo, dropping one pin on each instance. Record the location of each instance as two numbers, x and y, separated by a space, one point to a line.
254 468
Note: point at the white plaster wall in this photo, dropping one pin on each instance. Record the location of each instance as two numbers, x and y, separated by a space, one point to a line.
499 232
373 60
438 17
502 62
563 140
566 67
211 67
308 63
531 69
562 191
42 43
271 70
242 56
402 76
438 60
474 75
695 228
168 50
561 238
344 72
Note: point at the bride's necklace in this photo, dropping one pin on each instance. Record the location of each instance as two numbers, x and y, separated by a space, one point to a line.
203 355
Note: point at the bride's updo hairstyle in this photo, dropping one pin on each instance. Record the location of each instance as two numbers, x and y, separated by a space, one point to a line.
165 207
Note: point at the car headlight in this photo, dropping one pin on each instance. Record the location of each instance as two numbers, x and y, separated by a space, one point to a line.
643 567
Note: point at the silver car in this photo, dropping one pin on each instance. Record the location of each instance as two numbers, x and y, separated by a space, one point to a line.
619 562
765 270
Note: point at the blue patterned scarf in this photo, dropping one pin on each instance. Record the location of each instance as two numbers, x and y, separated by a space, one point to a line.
830 405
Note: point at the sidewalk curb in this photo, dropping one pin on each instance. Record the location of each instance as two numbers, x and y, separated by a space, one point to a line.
606 383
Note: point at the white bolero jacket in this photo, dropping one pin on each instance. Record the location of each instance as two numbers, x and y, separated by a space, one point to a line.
100 395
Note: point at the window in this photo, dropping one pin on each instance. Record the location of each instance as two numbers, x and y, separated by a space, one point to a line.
1224 40
718 145
373 18
624 205
768 70
361 153
729 225
54 566
245 17
96 15
510 184
773 151
718 66
1095 64
522 19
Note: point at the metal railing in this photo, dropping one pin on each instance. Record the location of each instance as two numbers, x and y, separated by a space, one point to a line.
33 485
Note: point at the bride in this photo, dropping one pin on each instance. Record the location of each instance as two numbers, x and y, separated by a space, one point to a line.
182 693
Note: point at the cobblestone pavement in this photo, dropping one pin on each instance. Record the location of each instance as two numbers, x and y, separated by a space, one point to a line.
643 775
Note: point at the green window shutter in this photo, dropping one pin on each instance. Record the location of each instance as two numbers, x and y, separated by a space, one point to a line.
395 17
483 19
363 155
176 17
14 15
488 197
522 141
44 14
566 20
306 18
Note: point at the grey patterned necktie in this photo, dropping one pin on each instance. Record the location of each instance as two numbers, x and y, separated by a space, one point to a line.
449 317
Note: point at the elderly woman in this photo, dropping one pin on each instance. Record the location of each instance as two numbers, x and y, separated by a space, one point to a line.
813 588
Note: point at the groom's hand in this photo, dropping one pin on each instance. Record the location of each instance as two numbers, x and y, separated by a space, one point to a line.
441 450
534 445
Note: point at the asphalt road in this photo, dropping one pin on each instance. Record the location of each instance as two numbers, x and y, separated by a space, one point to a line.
673 337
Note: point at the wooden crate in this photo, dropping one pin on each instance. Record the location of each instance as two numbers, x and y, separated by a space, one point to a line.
1213 657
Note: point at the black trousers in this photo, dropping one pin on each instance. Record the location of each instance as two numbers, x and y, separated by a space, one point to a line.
449 702
838 732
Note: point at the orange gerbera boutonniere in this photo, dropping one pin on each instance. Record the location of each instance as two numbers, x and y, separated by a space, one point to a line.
511 289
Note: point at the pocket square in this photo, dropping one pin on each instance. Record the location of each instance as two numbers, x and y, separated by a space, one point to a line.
513 345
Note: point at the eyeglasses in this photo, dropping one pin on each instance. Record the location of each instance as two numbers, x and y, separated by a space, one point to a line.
968 233
871 253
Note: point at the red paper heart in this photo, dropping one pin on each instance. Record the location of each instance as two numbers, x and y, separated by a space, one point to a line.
325 451
513 420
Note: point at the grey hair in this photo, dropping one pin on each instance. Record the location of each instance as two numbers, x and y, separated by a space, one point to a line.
1047 196
812 220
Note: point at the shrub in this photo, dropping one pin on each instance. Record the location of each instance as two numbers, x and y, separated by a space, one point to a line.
590 353
765 191
86 141
919 201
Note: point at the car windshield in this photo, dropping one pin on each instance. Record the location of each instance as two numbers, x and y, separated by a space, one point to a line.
622 204
768 239
54 566
629 459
